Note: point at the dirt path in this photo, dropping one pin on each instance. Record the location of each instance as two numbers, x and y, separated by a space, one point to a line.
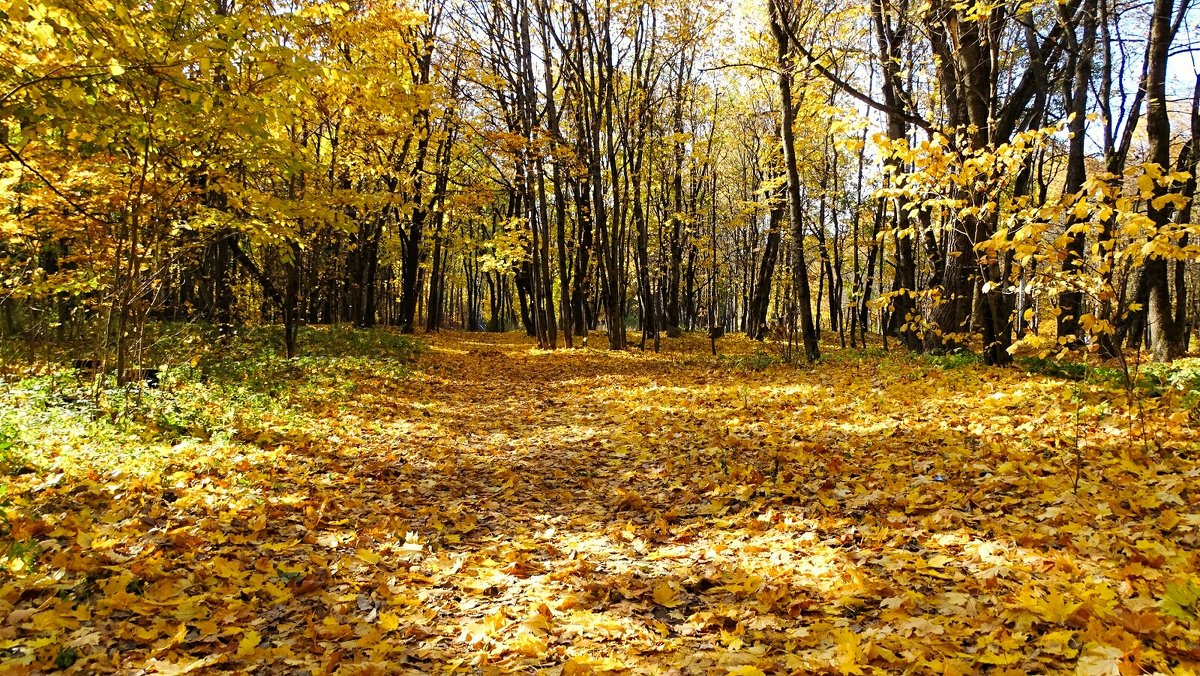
509 509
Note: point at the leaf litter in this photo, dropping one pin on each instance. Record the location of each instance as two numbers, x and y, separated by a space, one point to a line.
509 510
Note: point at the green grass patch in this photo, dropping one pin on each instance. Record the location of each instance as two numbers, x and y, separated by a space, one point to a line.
1177 382
955 360
214 395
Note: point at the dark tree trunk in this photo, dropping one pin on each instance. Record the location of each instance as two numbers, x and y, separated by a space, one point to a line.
760 300
812 350
1075 91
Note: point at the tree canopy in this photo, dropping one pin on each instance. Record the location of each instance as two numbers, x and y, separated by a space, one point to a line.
993 177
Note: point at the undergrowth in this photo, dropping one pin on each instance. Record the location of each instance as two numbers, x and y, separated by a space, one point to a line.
1178 380
212 395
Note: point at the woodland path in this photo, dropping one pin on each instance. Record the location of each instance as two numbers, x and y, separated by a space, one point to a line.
506 509
678 512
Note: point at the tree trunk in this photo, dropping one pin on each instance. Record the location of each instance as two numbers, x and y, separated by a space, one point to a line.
812 350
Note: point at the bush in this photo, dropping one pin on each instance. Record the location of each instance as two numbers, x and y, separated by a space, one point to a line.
1178 380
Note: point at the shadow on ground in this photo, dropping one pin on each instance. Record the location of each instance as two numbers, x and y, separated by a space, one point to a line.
511 509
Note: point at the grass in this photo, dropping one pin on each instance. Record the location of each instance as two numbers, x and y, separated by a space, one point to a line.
214 395
1178 381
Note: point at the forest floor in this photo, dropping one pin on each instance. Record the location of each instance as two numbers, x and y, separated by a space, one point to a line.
483 506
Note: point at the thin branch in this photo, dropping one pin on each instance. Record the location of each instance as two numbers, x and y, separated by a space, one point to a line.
49 184
723 66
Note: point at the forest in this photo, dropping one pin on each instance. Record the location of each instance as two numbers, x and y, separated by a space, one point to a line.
599 337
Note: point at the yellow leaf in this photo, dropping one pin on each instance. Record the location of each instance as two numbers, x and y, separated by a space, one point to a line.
226 568
1004 659
259 522
1081 210
1145 185
584 665
389 621
666 595
731 641
850 653
939 561
1058 643
528 644
1099 660
175 640
1055 607
164 668
250 641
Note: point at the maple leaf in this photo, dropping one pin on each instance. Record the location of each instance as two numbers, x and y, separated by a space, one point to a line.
1141 623
851 655
528 643
1098 659
1182 600
389 621
582 665
167 668
630 500
667 594
249 641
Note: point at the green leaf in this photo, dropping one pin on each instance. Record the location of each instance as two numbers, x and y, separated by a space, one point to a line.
1180 600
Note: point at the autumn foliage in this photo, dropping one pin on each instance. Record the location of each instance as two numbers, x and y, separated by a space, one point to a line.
482 505
301 302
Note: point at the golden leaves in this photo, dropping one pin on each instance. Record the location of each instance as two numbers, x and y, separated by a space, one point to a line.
667 593
585 665
250 640
851 654
864 516
630 500
389 621
1099 660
